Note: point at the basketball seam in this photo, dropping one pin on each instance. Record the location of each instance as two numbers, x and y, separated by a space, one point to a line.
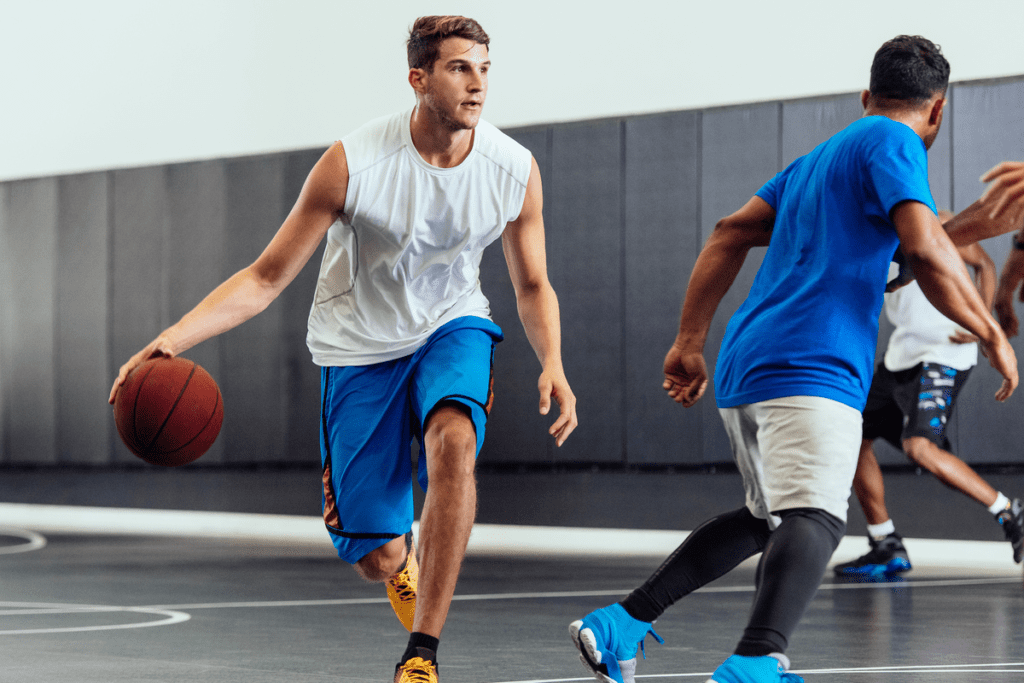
173 407
198 434
135 407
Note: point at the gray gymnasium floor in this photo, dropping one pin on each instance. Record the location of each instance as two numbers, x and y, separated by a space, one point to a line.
90 607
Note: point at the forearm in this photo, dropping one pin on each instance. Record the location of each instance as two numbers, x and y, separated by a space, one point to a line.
538 311
234 301
713 274
945 282
974 224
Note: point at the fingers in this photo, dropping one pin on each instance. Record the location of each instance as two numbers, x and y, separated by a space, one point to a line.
567 420
1007 186
154 349
1005 391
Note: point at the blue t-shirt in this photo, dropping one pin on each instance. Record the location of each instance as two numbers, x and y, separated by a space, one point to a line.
810 323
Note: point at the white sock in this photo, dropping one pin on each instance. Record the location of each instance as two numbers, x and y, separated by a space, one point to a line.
880 531
1000 504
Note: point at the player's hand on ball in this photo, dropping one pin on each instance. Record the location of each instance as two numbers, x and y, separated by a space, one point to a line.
686 375
158 347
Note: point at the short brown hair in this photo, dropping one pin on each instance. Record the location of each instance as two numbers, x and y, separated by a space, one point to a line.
427 33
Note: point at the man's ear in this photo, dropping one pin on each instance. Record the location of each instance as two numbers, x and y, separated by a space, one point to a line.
865 95
935 115
417 78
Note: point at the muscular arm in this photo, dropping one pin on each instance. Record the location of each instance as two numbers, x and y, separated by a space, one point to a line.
714 272
250 290
976 222
523 244
944 280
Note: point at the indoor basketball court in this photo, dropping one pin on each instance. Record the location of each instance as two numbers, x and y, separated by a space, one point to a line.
148 155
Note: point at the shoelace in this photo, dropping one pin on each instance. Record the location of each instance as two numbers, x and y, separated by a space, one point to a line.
656 637
403 587
419 671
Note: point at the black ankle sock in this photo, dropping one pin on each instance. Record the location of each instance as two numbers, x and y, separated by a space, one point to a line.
418 642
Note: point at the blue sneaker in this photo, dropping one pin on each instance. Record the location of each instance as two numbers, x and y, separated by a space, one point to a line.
607 639
888 556
768 669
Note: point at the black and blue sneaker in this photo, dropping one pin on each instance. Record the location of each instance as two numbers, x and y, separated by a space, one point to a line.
607 639
886 558
1012 521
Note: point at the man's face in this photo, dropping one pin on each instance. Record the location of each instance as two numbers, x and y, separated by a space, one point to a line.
456 88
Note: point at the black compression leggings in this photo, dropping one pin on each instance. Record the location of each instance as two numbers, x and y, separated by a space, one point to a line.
793 562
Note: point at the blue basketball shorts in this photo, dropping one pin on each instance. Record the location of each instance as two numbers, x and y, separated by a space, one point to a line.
369 417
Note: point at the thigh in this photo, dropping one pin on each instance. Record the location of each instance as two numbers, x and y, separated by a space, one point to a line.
927 396
365 437
810 447
741 428
882 415
455 366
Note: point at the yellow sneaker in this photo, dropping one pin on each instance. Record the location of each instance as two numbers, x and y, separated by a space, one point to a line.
402 589
416 670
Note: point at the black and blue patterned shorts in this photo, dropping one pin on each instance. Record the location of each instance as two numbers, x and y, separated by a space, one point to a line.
914 402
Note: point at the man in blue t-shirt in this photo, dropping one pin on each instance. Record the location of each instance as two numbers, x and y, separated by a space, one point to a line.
796 361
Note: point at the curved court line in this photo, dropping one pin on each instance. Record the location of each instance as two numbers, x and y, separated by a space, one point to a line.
34 541
36 608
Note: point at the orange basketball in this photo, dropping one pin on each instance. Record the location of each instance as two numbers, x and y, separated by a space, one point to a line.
168 411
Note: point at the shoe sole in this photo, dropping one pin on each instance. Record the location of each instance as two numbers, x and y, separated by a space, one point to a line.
590 656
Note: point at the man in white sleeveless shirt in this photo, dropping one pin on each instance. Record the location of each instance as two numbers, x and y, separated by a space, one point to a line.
912 396
399 325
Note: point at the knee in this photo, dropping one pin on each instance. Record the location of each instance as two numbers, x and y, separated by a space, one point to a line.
920 450
450 444
383 562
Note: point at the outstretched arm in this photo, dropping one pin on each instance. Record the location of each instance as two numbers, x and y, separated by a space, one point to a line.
686 374
251 289
1005 196
944 280
999 210
523 244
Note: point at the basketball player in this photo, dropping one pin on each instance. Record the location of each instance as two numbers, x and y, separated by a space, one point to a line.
911 399
399 325
796 361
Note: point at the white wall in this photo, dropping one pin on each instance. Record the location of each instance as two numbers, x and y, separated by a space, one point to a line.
113 83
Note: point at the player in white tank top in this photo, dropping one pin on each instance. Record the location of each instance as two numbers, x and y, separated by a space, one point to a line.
404 257
408 203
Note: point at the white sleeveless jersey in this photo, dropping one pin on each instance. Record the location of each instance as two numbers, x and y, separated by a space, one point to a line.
404 258
922 333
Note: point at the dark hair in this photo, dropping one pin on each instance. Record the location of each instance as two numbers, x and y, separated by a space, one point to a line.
909 68
427 33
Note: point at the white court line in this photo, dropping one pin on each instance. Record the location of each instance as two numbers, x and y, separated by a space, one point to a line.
34 541
331 602
997 667
26 608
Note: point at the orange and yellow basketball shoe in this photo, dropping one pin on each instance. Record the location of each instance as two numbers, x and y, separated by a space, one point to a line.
416 670
402 587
